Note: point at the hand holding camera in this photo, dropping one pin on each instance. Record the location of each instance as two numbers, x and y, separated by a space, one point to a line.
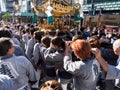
96 52
68 47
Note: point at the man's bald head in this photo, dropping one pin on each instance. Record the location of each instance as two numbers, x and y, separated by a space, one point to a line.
116 47
116 43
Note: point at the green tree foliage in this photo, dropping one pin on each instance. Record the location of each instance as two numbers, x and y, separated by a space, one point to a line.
6 16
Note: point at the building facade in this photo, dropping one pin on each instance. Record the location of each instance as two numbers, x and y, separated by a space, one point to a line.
106 11
8 5
24 11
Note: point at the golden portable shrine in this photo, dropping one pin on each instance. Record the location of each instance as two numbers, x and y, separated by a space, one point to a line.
59 9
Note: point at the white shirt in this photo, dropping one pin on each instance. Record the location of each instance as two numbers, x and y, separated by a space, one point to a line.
117 81
48 11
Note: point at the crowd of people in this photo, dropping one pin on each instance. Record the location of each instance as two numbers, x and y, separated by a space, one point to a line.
85 59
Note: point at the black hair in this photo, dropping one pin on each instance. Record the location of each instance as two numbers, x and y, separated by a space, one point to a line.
5 33
5 45
58 41
107 45
32 30
38 35
46 40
